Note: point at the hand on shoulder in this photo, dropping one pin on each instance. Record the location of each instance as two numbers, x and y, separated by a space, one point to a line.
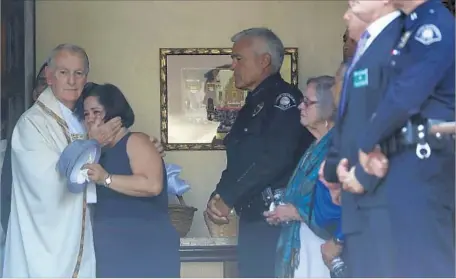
151 139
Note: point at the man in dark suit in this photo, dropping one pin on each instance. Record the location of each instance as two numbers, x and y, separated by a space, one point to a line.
365 221
421 173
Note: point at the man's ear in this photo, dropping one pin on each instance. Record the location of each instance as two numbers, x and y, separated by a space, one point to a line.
266 60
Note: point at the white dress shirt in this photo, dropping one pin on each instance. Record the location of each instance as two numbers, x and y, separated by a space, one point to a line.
376 27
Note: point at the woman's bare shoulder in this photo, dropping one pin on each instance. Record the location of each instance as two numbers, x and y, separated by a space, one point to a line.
141 142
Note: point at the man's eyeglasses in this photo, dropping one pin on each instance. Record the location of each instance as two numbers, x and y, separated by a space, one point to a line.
307 102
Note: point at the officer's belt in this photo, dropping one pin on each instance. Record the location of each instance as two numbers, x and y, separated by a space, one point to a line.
252 209
415 134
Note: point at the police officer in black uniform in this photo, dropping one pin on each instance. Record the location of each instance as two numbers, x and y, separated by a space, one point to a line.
421 172
263 147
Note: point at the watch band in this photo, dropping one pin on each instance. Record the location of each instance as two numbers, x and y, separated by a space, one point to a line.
338 241
108 181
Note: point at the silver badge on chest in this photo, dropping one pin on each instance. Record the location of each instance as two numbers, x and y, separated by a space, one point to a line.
257 109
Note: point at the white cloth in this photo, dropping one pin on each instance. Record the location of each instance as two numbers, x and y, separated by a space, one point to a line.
76 127
44 229
376 27
311 264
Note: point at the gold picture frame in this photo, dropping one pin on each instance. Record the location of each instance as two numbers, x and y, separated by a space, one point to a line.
197 91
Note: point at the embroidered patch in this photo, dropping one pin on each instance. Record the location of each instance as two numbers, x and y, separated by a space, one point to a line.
361 78
428 34
285 101
257 109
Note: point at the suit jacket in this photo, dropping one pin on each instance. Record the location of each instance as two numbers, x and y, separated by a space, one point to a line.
366 84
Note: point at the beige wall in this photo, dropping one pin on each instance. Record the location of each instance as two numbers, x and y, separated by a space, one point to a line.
122 39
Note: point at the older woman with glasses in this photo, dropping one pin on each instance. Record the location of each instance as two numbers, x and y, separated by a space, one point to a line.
308 217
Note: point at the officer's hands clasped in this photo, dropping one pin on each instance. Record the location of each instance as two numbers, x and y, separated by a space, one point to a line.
213 211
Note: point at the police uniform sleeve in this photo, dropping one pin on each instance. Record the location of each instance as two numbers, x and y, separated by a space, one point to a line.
414 85
369 182
280 141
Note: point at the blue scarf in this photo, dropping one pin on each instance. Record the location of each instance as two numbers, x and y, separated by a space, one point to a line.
300 192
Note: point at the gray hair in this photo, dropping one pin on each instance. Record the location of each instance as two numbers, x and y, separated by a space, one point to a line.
70 48
272 44
325 97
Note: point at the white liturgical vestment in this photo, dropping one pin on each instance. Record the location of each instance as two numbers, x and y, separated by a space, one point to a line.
48 233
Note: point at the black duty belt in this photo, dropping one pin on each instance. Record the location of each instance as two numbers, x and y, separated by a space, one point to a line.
415 134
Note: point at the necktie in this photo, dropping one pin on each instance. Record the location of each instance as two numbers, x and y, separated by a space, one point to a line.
360 48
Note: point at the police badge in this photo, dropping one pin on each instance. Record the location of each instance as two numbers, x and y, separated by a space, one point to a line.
404 39
258 109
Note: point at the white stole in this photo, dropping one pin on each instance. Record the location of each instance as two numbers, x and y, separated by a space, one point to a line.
45 235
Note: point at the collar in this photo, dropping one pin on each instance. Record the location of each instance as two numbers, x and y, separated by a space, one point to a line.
264 85
65 110
376 27
420 11
50 101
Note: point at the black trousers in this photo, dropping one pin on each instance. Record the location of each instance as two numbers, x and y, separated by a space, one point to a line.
257 244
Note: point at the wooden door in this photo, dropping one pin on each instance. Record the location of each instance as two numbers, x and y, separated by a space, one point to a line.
17 61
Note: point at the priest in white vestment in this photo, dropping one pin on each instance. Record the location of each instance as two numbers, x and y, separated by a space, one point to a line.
49 232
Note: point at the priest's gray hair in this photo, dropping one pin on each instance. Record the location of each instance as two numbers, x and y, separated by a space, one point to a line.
70 48
272 45
325 97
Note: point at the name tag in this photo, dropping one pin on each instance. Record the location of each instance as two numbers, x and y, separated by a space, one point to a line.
361 78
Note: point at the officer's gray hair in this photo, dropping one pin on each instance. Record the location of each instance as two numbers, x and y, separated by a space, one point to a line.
70 48
272 45
323 89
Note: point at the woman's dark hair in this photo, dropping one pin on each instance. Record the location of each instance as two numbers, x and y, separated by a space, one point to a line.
113 101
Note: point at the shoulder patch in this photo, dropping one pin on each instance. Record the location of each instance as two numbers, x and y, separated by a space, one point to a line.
428 34
285 101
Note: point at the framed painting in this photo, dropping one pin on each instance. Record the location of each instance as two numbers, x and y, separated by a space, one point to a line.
198 99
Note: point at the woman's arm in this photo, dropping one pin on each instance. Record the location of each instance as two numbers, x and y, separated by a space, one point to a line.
146 165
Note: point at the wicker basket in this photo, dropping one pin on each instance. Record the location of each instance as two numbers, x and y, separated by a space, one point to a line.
181 216
226 230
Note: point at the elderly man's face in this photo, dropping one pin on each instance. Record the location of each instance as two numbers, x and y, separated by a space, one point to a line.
67 77
355 25
406 5
365 9
248 66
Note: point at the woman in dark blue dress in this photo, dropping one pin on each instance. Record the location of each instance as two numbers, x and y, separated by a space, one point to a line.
132 231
